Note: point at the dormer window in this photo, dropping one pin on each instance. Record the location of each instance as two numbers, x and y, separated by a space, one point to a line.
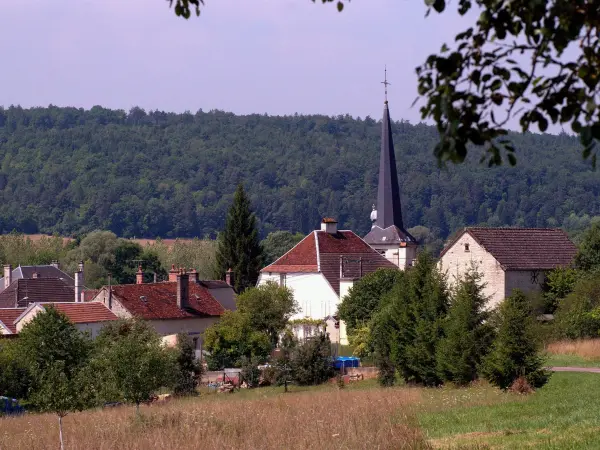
467 247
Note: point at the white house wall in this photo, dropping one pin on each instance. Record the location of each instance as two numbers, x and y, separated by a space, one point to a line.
456 261
313 293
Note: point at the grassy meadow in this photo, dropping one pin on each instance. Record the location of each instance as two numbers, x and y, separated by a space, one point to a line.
563 414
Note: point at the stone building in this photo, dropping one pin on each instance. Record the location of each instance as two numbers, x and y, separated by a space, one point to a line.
508 258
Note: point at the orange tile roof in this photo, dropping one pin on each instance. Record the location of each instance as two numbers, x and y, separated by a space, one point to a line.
9 315
156 301
84 312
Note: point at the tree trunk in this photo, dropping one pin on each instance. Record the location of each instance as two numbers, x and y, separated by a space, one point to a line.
137 409
60 433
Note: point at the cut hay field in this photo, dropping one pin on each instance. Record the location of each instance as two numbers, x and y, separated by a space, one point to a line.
562 415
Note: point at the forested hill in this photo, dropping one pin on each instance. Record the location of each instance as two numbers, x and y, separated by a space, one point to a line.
141 174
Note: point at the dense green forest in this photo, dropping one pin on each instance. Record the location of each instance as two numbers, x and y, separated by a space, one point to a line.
146 174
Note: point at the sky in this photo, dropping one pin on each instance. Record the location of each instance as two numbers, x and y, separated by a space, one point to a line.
244 56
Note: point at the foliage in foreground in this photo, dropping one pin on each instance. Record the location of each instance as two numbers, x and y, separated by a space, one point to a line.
311 361
364 297
514 352
252 330
467 332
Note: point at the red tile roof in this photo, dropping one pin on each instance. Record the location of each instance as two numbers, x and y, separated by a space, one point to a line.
524 248
321 251
9 315
84 312
156 301
25 291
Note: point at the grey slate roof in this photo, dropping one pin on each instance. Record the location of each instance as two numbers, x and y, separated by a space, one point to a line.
49 271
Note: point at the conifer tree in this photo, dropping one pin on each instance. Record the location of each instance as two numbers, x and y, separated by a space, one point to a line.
514 352
467 335
429 305
239 244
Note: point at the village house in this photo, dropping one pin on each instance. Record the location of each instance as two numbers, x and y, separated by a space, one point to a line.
24 285
507 258
320 270
182 304
87 317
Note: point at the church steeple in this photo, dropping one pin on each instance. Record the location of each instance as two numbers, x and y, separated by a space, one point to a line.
389 211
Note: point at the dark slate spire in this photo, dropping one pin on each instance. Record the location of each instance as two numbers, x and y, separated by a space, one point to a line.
389 211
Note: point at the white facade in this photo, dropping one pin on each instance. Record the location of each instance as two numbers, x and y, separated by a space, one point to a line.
315 297
93 328
316 300
402 256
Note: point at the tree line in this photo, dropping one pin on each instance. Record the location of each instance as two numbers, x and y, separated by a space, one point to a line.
156 174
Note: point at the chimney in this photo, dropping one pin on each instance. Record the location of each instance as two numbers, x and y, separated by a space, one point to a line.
7 275
183 290
193 275
35 275
55 264
229 279
79 282
173 273
329 225
139 276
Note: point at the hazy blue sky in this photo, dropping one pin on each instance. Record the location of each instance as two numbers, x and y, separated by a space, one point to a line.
245 56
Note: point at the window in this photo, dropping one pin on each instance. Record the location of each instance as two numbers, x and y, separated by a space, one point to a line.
467 247
282 279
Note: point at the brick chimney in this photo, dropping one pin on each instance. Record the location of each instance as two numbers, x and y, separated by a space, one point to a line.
139 276
229 278
173 273
7 275
329 225
193 273
79 282
183 290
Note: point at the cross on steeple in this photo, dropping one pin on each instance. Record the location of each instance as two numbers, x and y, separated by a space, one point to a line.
385 82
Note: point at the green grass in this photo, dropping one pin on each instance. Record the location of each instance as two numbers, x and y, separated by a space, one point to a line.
561 415
571 361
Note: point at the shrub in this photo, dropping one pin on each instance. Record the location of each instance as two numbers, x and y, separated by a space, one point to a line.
514 352
250 372
187 369
311 361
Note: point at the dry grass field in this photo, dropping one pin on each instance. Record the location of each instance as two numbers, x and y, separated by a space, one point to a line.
323 419
585 348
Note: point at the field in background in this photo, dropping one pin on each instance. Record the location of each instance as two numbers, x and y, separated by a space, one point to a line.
580 353
563 414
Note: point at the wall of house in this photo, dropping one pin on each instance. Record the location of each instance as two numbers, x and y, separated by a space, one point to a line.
401 256
523 279
336 334
456 261
315 296
28 317
193 327
115 307
92 328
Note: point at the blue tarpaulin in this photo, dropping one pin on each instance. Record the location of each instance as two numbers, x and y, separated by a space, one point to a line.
10 406
346 361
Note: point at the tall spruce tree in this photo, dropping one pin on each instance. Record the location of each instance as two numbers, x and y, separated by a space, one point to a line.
467 334
407 329
429 305
514 353
239 244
